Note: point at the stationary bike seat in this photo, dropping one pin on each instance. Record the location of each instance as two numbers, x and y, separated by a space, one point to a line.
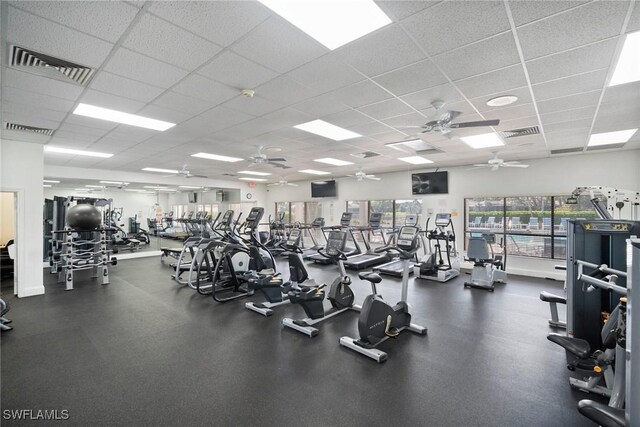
370 277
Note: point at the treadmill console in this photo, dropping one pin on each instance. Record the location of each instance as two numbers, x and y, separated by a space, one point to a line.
411 220
375 219
345 221
408 238
318 222
336 241
294 237
443 219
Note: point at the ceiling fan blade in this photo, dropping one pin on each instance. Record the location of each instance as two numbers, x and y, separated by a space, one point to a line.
508 165
449 115
475 124
277 159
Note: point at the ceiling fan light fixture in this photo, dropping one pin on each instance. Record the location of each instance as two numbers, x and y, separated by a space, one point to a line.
256 173
218 157
159 170
484 140
501 101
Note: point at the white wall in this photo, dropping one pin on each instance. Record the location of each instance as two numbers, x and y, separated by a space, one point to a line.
21 170
557 175
7 217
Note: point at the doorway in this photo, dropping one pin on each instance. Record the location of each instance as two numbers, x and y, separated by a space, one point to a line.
7 241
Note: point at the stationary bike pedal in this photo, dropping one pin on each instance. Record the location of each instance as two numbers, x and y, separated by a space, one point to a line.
393 332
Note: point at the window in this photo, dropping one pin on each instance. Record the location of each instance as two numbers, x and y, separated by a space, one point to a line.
282 207
296 212
386 207
359 209
313 210
404 208
179 210
534 226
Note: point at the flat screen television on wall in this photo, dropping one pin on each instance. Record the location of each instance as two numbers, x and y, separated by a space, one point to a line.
323 189
193 197
430 183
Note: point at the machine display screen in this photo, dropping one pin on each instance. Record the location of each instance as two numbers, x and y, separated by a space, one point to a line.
345 221
443 219
336 241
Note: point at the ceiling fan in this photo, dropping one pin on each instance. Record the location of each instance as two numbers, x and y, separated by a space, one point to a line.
184 173
261 158
442 119
496 163
360 175
282 183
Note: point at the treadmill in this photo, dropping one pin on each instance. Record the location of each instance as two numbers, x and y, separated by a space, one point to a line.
316 225
345 225
369 258
395 267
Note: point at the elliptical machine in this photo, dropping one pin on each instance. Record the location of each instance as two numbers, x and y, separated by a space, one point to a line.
433 266
311 299
378 320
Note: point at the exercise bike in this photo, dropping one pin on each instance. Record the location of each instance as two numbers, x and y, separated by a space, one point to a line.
311 299
488 267
378 320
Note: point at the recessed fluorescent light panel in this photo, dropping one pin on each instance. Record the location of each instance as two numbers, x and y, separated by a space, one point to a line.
333 23
120 117
94 186
135 190
410 145
160 170
334 162
189 186
484 140
314 172
322 128
255 173
628 67
61 150
415 160
154 187
51 181
114 182
216 157
607 138
253 179
46 185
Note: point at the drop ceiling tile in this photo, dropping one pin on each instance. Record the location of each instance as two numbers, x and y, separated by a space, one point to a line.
385 109
132 134
236 71
256 106
569 102
412 78
568 115
634 20
285 90
74 128
205 89
221 22
326 73
105 100
139 67
568 126
626 94
411 119
398 10
493 82
432 27
586 24
370 128
511 112
320 106
346 118
37 100
278 45
74 136
217 118
618 114
60 41
287 117
187 104
568 138
163 113
423 99
580 60
523 94
37 113
168 43
487 55
39 84
525 11
392 47
360 94
105 20
88 122
122 86
249 129
578 83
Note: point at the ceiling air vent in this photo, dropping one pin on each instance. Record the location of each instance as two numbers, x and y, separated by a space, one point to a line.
605 147
532 130
365 154
25 128
567 150
45 64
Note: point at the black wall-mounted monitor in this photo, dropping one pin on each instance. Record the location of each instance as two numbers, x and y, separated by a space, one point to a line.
323 189
193 197
430 183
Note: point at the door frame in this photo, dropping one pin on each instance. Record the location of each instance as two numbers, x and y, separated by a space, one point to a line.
18 232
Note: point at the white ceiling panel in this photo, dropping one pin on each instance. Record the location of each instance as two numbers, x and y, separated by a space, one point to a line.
162 113
493 82
346 118
392 46
634 21
525 11
626 94
368 129
167 43
82 131
122 86
131 134
205 89
326 73
411 119
586 24
88 122
487 55
578 83
187 104
278 45
287 117
568 138
359 94
39 84
236 71
74 136
511 112
217 118
385 109
24 110
285 90
41 35
423 99
412 78
103 19
569 102
568 115
581 60
221 22
256 105
389 136
34 99
106 100
398 10
139 67
320 106
569 126
618 116
432 28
